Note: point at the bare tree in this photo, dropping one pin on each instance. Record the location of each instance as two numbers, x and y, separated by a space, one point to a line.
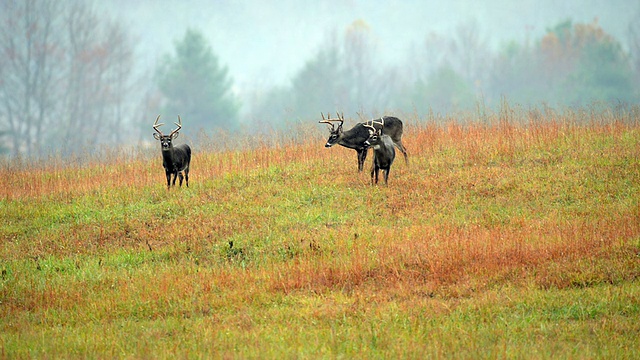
64 73
119 78
100 60
360 67
470 52
27 43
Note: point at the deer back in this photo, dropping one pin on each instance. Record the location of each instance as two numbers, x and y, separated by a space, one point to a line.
391 126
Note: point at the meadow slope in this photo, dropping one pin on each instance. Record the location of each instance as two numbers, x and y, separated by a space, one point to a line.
512 234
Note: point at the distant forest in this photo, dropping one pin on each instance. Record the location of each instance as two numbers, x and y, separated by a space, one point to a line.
71 80
573 64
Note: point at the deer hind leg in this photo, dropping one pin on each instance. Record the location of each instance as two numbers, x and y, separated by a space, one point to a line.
403 149
186 175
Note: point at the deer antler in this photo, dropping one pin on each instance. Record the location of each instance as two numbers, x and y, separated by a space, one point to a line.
330 121
340 118
178 128
372 129
156 126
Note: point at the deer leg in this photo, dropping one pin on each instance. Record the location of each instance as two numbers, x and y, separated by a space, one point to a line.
168 179
386 176
364 157
403 149
186 175
175 177
181 177
373 169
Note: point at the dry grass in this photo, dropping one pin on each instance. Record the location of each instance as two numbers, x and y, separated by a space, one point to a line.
517 234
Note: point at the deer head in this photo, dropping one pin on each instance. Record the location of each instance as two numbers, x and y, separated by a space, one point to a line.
336 132
374 135
165 140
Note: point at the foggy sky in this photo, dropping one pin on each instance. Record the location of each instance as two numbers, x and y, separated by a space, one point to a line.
264 43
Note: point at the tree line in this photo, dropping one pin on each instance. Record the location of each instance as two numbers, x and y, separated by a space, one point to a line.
69 80
65 77
573 64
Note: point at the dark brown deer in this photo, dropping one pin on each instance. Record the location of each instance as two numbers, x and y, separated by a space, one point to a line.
175 159
355 137
383 153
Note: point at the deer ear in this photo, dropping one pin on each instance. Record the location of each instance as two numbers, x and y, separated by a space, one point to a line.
175 135
156 136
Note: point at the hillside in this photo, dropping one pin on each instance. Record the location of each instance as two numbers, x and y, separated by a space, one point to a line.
515 236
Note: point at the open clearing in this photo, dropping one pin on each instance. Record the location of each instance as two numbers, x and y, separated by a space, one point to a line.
516 235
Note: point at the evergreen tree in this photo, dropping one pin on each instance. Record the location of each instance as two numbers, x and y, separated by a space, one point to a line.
196 87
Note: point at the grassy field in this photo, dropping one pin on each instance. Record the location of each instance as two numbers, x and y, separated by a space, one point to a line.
514 234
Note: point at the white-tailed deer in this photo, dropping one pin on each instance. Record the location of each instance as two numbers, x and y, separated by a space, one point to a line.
356 137
175 159
383 153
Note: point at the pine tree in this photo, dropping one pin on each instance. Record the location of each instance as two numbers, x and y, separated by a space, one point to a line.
196 87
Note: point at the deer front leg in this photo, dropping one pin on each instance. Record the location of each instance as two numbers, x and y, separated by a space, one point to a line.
175 177
168 174
362 156
377 171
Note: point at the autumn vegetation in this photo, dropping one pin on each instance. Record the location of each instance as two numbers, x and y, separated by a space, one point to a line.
513 233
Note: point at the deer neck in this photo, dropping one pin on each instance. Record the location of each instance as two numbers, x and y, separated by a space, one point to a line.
167 156
350 139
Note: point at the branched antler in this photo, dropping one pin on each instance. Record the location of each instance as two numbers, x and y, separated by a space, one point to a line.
156 126
372 130
330 121
179 126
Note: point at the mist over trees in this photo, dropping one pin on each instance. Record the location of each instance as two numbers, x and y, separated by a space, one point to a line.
65 77
195 86
71 77
571 65
343 75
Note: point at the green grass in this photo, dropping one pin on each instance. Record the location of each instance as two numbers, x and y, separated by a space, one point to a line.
502 239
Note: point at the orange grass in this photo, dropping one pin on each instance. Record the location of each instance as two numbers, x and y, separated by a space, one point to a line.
518 199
